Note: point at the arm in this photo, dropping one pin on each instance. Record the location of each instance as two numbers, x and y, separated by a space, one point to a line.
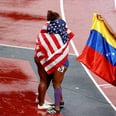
100 17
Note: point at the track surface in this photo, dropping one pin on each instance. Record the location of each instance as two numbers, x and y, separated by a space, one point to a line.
20 21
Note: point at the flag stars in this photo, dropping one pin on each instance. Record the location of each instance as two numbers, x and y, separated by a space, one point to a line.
110 54
58 27
113 53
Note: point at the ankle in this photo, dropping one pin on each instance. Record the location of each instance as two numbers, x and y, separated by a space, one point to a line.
57 107
61 101
40 104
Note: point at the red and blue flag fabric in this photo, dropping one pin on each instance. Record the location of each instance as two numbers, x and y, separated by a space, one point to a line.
50 49
99 54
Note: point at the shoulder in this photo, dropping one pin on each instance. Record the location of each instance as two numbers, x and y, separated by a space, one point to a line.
61 21
58 21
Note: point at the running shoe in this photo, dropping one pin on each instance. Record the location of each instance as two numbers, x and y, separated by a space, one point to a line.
44 106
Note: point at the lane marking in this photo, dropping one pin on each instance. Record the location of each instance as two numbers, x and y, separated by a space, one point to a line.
16 46
28 48
106 85
115 4
77 54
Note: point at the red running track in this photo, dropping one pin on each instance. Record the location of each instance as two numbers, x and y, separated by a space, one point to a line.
20 23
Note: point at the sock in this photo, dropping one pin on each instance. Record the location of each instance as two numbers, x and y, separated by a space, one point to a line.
57 95
61 97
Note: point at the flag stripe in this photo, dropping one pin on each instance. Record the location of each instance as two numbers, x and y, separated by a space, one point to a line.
42 45
99 44
97 63
51 44
55 40
56 56
47 43
58 64
101 28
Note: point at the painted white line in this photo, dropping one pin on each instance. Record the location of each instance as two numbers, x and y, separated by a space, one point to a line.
101 85
77 54
91 77
16 46
28 48
115 4
106 85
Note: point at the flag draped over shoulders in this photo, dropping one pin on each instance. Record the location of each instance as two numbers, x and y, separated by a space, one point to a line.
99 54
50 50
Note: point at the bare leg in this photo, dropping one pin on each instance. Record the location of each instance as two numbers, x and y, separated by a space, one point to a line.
45 80
42 88
57 81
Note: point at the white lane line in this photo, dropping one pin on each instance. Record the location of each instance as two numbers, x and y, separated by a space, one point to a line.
101 85
77 54
115 4
28 48
106 85
16 46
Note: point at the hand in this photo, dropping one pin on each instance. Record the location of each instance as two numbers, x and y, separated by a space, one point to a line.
114 35
100 17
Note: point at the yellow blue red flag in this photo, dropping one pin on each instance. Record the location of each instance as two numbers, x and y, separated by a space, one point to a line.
99 54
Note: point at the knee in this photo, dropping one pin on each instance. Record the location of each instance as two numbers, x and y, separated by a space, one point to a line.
56 84
42 84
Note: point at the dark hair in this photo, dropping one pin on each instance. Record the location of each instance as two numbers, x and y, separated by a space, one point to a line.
51 15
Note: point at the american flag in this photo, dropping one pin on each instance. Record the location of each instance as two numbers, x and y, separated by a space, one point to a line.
50 50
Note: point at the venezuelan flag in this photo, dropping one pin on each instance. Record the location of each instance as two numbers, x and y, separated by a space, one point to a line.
99 54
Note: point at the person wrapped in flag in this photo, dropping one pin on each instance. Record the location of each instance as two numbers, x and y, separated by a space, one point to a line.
99 54
51 57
